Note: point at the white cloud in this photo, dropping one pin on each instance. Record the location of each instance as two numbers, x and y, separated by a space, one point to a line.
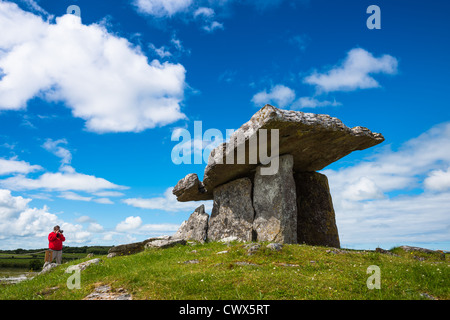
162 8
168 202
284 97
362 189
104 79
438 180
188 9
84 219
64 180
129 224
20 221
162 52
162 227
73 196
33 5
14 166
95 227
386 199
103 201
205 12
213 26
279 95
54 147
109 194
354 72
308 102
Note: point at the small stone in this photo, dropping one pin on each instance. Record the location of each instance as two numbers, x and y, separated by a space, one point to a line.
253 248
245 263
194 261
275 246
163 244
83 265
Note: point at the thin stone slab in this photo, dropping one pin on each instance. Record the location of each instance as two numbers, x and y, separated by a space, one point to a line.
232 213
316 222
275 203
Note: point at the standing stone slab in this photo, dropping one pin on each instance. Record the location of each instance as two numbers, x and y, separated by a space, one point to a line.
195 228
316 223
274 200
232 213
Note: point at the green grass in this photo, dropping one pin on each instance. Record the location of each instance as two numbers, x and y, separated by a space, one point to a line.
162 274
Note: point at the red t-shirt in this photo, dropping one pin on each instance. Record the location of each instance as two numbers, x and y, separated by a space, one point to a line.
55 242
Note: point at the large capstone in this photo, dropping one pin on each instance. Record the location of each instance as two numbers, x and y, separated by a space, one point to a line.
274 201
316 224
314 141
232 213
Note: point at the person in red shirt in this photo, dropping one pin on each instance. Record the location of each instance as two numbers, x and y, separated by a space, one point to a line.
55 243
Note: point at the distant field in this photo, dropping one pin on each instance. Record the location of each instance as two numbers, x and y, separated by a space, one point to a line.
26 259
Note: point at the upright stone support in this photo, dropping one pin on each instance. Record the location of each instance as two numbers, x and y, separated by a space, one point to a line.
195 228
274 200
232 213
316 223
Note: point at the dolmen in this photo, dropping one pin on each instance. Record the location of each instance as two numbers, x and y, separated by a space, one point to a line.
278 197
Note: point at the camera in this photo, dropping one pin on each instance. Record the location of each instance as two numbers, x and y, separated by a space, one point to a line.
61 231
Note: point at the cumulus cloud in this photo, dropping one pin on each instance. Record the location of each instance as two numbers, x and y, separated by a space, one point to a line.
279 95
168 202
285 97
355 72
309 102
205 12
54 147
103 78
21 224
438 180
129 223
65 180
134 225
13 166
162 8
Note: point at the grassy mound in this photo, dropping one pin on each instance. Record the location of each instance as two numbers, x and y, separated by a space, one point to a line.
198 272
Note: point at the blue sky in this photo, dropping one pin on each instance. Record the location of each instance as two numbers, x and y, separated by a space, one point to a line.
88 107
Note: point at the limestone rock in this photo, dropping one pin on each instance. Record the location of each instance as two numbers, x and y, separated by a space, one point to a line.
195 228
83 265
163 244
232 213
316 223
275 246
105 292
274 201
47 267
190 188
130 248
314 140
